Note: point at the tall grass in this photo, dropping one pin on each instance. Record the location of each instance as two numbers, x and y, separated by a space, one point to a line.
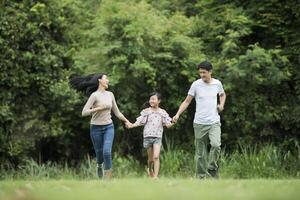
247 161
174 161
267 161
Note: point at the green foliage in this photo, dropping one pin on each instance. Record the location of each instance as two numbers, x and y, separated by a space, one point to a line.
254 106
143 50
268 161
35 59
127 167
256 71
177 163
261 162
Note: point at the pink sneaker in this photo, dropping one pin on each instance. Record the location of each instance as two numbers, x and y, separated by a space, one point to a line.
150 173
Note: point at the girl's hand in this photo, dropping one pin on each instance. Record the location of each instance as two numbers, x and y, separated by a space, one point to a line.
170 125
128 124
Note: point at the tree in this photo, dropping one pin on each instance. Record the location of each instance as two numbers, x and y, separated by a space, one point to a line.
35 58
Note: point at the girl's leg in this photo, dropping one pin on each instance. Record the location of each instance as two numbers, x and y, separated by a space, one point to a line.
150 161
156 152
107 146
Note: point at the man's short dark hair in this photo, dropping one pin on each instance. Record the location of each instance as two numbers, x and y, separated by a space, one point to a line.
205 65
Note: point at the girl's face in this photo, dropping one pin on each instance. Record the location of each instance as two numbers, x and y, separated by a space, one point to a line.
104 82
154 101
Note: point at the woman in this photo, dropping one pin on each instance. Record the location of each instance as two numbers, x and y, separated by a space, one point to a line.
100 104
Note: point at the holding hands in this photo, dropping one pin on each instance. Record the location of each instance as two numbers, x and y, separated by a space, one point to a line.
128 125
175 118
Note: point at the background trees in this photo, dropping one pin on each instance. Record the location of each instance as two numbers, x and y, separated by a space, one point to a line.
145 46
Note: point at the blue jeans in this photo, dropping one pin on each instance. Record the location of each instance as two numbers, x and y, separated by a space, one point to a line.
102 137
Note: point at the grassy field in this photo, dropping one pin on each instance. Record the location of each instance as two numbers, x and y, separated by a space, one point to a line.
143 188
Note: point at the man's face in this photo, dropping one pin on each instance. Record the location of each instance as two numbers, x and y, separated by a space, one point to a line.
204 74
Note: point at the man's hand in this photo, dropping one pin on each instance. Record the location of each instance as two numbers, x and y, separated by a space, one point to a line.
183 106
175 118
220 108
170 125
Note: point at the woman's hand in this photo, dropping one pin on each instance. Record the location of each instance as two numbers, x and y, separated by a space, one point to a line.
99 108
128 124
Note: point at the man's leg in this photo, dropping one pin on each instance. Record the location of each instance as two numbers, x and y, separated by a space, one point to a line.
215 150
201 141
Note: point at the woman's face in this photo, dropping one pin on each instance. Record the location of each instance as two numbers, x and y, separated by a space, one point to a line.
104 82
154 101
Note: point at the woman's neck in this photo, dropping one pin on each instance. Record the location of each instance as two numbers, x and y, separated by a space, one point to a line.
101 89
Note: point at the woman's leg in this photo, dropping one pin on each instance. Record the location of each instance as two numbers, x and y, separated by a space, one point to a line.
97 140
150 161
156 152
107 146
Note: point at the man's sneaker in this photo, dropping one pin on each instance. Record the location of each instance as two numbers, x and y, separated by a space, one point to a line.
200 176
213 173
99 170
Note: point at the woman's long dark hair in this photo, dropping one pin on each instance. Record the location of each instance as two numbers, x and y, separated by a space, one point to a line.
87 84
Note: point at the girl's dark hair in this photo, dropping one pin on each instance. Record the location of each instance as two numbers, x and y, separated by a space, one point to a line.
146 104
87 84
155 94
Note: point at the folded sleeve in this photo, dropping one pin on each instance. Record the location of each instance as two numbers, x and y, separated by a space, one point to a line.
166 119
88 105
192 90
115 108
142 119
220 88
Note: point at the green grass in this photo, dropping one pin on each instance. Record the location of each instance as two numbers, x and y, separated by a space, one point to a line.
143 188
246 162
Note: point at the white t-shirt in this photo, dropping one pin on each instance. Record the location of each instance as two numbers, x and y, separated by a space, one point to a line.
205 95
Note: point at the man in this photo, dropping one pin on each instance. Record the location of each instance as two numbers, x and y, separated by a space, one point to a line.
207 126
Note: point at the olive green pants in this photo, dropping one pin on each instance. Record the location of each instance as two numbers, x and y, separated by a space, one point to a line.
203 135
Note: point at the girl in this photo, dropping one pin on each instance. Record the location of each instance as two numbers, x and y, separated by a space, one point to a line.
153 118
99 105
